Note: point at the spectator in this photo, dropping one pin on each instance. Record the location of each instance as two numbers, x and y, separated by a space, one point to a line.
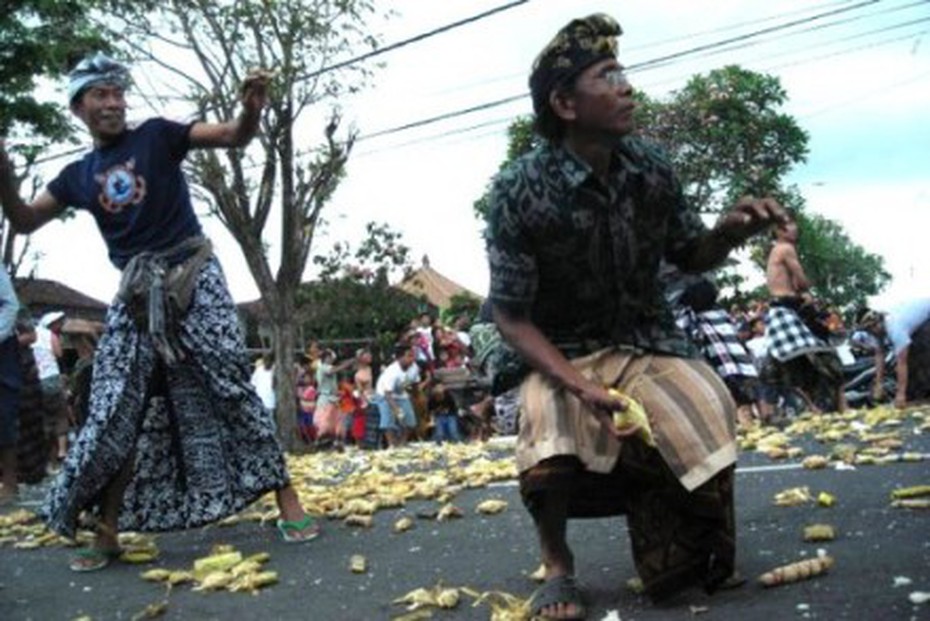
263 381
328 417
47 351
11 381
397 418
907 326
80 379
444 414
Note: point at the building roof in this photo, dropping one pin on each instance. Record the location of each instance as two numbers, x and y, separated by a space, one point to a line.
42 295
438 289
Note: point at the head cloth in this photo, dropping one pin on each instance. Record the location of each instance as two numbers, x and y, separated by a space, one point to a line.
94 70
576 47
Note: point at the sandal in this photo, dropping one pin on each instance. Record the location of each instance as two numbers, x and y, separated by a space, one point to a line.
93 559
300 530
559 590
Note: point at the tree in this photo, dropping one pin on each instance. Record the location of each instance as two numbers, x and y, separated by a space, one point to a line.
207 47
725 136
39 39
354 297
461 305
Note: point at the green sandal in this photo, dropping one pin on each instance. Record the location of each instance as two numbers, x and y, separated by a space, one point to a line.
299 531
93 559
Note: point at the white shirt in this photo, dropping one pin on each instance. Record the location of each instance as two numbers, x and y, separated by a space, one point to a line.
263 380
46 363
393 380
758 347
903 320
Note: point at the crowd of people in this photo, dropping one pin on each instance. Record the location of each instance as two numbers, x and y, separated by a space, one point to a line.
415 393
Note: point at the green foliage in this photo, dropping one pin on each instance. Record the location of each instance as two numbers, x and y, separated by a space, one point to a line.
349 308
840 271
380 257
40 38
353 297
726 136
460 305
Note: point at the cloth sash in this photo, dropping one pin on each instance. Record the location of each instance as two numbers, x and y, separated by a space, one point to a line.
158 286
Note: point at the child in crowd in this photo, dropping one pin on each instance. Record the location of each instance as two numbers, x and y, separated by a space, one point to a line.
444 414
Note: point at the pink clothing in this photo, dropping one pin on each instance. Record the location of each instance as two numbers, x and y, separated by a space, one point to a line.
328 419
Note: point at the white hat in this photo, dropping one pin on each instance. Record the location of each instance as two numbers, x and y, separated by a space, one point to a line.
50 318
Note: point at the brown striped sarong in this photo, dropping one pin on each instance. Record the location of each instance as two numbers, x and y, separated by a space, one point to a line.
678 497
690 410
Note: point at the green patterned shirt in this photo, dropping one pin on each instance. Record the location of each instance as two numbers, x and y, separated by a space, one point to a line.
581 258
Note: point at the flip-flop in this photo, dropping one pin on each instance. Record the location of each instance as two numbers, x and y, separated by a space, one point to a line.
558 590
93 559
299 531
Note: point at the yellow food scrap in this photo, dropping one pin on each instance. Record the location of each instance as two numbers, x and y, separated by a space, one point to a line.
155 575
253 582
815 462
180 577
826 500
539 574
491 506
819 532
795 572
215 563
448 512
403 524
633 415
139 556
364 521
911 503
793 497
910 492
214 581
151 611
635 584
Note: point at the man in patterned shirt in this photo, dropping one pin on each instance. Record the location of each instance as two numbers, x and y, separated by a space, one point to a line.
576 232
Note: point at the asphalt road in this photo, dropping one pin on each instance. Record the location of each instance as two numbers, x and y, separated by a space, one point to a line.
882 556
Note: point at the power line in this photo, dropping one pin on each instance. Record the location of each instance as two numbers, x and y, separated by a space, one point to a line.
678 39
751 35
415 39
814 28
648 64
808 60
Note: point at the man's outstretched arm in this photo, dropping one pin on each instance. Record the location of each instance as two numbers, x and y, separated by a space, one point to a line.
24 217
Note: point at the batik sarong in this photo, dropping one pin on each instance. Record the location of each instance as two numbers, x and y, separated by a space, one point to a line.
678 497
198 442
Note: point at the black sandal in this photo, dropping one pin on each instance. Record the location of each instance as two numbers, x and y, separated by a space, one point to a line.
559 590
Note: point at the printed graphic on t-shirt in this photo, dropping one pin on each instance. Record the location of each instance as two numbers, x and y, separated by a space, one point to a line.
121 186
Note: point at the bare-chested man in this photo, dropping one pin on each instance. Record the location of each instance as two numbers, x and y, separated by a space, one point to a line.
784 275
799 358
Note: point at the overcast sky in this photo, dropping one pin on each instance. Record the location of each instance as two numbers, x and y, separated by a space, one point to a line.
858 82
